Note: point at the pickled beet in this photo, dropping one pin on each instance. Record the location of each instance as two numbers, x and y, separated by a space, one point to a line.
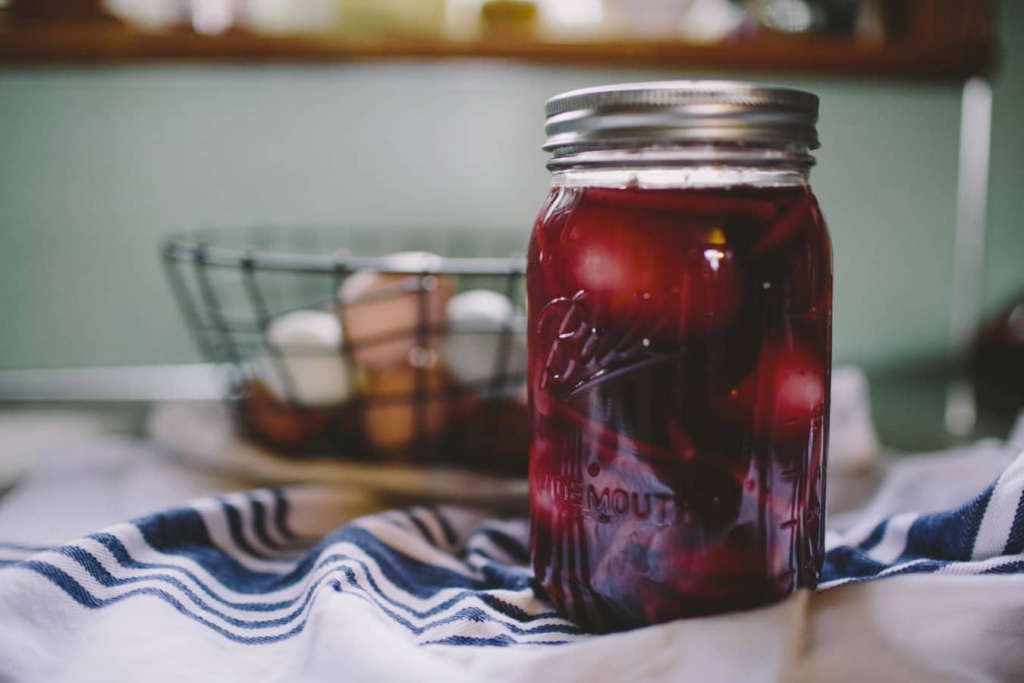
647 272
679 379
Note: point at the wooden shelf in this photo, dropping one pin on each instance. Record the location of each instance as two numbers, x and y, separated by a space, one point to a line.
914 58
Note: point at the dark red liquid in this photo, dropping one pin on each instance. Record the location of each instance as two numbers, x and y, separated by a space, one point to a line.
680 345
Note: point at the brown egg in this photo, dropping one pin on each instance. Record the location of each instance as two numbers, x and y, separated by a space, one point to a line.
299 430
396 423
493 435
381 313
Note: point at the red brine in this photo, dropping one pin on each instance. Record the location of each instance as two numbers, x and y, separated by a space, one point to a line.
680 345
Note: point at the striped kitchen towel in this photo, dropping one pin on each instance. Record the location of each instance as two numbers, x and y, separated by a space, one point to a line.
249 587
984 535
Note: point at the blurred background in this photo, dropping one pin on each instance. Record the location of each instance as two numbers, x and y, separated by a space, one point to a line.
123 120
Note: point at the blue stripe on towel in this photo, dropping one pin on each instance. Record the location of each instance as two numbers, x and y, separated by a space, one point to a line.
1015 541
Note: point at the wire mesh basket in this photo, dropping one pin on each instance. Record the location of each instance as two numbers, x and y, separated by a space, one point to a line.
381 350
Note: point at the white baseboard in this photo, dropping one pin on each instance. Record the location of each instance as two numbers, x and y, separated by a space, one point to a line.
198 382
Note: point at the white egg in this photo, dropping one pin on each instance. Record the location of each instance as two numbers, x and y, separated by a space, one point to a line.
304 362
380 313
479 321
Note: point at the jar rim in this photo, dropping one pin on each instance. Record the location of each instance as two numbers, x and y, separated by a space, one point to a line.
679 112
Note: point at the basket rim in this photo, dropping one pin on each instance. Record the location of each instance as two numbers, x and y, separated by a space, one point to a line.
192 248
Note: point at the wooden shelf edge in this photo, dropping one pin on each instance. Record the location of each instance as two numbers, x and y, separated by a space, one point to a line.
66 45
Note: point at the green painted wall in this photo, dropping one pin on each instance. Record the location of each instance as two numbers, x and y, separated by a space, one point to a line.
97 164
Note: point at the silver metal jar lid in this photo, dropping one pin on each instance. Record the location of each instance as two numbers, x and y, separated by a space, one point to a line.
679 112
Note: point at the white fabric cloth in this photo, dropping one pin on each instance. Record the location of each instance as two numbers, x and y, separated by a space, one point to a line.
914 628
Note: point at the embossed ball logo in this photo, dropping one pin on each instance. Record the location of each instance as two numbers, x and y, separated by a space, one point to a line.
585 351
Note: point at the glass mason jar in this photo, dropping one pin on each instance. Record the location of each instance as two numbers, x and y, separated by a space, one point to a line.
680 316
